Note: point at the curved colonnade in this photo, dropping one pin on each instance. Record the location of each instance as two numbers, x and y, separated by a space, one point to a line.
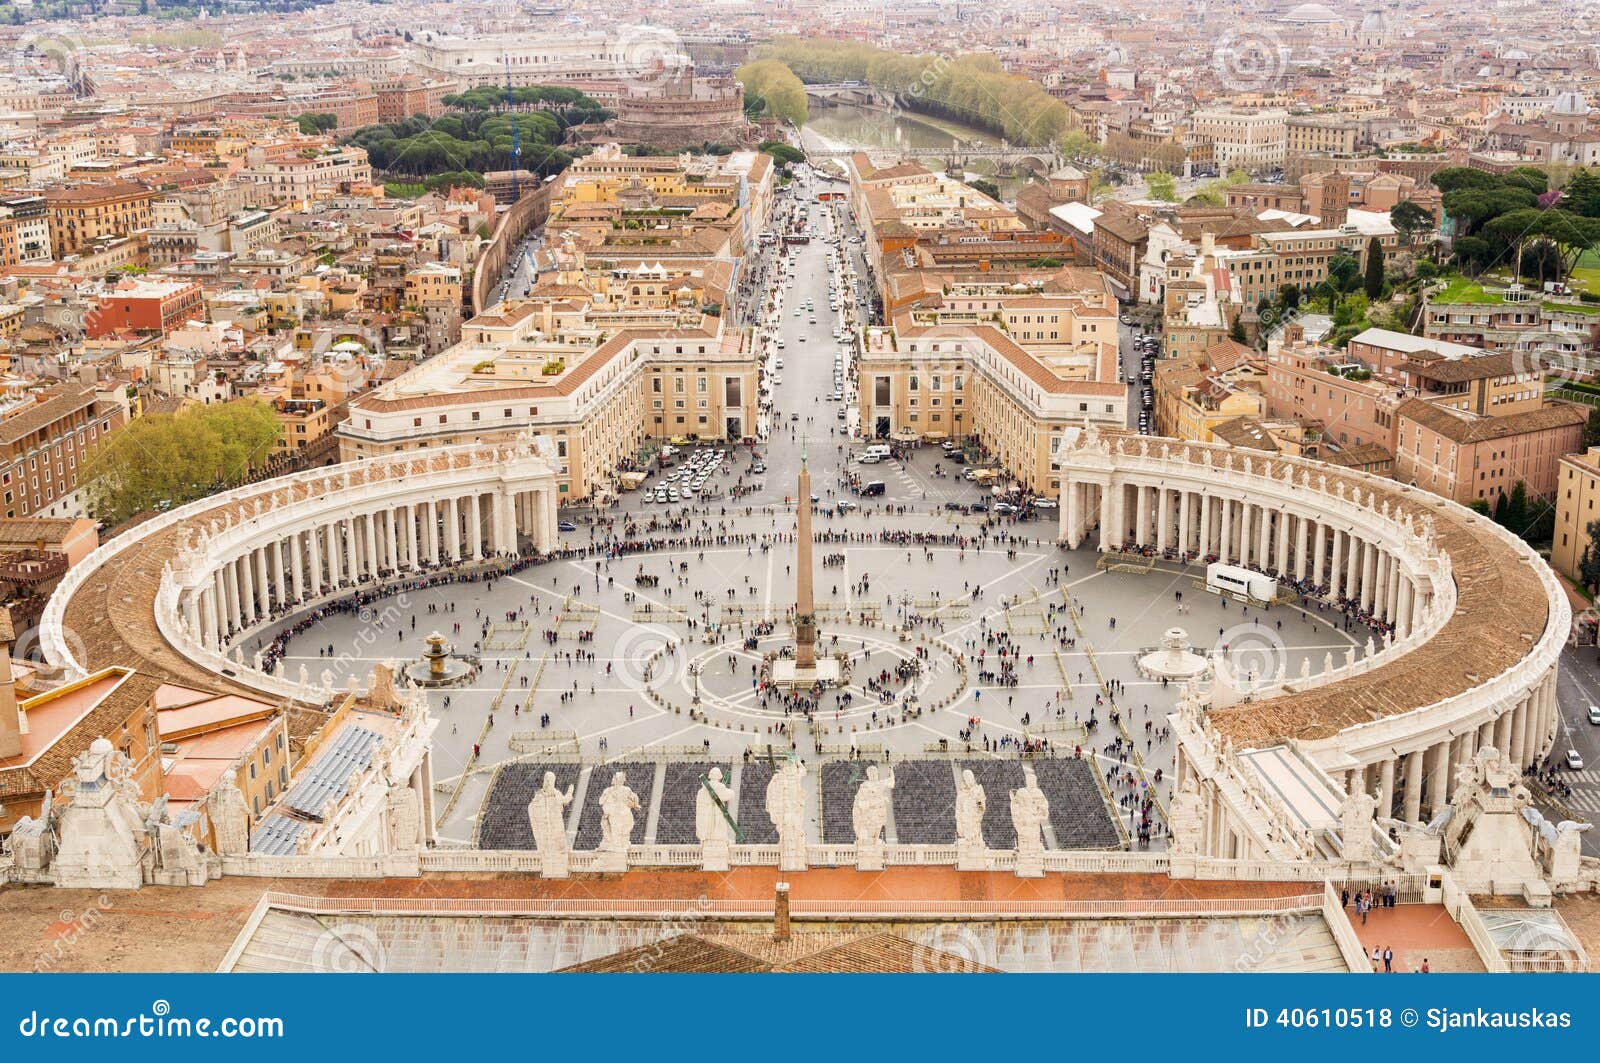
172 595
1476 620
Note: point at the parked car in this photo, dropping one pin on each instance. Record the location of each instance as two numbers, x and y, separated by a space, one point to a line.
566 525
1594 714
1574 760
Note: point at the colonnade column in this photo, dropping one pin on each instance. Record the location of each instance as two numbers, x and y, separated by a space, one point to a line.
1412 812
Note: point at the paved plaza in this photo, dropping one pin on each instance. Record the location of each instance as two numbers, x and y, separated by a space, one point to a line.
653 656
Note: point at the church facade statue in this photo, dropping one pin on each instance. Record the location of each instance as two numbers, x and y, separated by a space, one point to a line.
617 805
971 803
786 805
1030 813
547 815
713 804
869 816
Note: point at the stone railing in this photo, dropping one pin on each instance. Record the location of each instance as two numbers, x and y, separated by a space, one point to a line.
702 907
1344 935
1459 904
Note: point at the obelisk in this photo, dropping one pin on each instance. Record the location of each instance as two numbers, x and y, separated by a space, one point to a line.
805 621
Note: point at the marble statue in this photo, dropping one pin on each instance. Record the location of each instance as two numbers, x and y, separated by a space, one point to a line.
1356 817
1187 819
713 803
405 820
1030 812
710 817
230 819
971 802
869 815
786 805
102 835
617 805
547 815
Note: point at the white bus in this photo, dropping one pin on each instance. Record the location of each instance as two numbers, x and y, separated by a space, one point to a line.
1240 582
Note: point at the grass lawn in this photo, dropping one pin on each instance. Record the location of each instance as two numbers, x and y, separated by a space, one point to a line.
1461 290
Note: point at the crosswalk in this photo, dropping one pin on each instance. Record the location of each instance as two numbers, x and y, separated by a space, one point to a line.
1588 775
1584 799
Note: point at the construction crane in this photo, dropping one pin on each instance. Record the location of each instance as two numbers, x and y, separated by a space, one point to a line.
516 133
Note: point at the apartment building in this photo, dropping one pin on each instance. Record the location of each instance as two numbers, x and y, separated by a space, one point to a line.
942 380
1577 506
1469 458
81 215
594 390
44 436
1242 139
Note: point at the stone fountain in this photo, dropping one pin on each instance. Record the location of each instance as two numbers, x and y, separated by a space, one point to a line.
1174 659
439 665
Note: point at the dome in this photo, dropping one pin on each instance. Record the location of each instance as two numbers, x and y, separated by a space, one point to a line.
1312 14
1373 23
1570 103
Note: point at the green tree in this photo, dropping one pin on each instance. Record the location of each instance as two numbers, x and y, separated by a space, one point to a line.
774 82
176 458
1374 275
1161 186
987 187
1582 194
1410 221
1076 144
1236 331
1345 272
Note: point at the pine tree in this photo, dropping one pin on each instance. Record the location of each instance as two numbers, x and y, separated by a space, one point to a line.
1374 278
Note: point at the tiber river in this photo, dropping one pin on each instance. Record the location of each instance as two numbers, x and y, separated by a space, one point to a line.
850 127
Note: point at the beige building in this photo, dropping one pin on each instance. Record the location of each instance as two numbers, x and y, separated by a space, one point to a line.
1468 458
553 369
944 380
1577 495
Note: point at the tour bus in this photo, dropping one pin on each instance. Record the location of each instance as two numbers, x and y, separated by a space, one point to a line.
1235 582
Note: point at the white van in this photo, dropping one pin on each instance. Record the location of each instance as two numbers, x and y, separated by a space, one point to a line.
875 453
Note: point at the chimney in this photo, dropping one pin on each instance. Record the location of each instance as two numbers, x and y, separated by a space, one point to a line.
780 913
11 717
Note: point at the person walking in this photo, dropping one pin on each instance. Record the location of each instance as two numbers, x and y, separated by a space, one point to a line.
1388 960
1377 958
